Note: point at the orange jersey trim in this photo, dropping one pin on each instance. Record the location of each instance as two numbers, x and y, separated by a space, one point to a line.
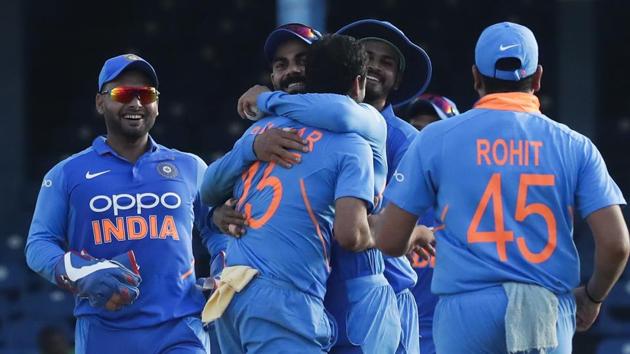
314 221
510 101
190 271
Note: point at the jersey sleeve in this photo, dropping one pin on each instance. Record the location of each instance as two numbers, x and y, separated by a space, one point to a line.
595 188
202 213
410 187
221 176
46 242
336 113
355 177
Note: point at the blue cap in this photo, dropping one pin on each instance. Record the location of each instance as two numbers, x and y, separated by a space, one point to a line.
506 40
113 67
283 33
417 65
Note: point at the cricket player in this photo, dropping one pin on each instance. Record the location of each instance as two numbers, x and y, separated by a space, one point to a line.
392 56
507 182
290 213
113 223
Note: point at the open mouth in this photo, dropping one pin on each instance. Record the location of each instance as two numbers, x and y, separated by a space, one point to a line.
372 78
296 86
133 116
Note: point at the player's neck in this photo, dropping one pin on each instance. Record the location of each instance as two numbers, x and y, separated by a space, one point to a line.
129 148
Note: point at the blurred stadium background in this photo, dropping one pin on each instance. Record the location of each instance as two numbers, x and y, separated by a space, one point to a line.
207 53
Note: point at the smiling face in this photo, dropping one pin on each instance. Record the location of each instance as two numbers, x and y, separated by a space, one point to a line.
127 121
288 67
383 76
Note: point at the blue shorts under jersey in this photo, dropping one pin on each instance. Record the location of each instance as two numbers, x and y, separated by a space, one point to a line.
362 303
181 336
485 309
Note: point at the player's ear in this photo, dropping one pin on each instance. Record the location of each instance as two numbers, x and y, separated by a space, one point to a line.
357 92
536 82
100 103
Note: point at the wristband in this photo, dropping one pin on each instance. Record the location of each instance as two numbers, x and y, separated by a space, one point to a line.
588 295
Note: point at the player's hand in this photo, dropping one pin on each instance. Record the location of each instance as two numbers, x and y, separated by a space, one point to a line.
228 220
586 310
246 106
99 280
423 242
210 284
279 146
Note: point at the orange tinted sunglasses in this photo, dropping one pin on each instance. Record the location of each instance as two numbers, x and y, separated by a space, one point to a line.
124 94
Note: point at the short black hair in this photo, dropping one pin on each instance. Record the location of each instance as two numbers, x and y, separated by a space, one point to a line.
493 85
333 62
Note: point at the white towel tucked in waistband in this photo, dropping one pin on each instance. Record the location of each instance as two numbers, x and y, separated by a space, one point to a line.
530 318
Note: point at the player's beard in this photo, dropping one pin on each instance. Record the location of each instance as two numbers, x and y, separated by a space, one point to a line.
375 92
293 84
129 130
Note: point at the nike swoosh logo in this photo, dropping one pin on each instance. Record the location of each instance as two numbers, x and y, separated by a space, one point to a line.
75 274
89 175
502 48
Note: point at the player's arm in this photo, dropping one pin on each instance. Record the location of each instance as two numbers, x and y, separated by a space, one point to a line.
351 227
337 113
410 194
98 280
598 199
354 192
611 254
397 233
333 112
212 237
221 175
46 243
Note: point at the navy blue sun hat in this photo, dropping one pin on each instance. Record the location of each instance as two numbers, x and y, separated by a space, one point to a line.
415 62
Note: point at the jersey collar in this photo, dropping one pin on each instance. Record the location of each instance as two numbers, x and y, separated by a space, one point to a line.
510 101
388 112
156 151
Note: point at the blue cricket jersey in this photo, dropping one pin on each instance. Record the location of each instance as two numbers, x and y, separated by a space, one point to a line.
400 134
336 113
511 218
99 202
291 211
339 113
342 114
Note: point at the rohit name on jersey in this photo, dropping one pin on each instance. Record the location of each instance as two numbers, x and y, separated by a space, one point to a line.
134 227
510 152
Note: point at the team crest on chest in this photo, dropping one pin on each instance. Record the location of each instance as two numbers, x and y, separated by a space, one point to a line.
167 169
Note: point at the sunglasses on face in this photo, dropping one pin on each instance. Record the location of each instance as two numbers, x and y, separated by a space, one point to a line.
124 94
302 30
